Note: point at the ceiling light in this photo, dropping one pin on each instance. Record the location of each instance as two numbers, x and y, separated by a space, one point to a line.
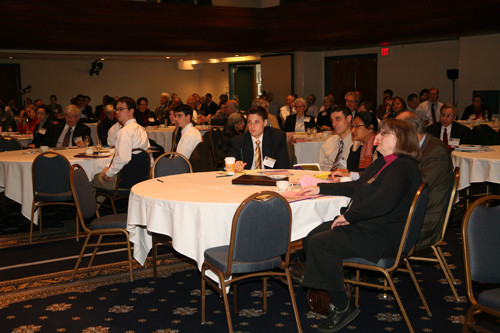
167 57
102 59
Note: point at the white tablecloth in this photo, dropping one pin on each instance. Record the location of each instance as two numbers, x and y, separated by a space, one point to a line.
93 132
308 152
477 167
197 209
25 139
470 124
15 173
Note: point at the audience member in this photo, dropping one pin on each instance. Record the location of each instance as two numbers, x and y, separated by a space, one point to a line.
383 107
398 105
85 110
371 226
478 109
288 109
161 111
235 126
382 113
413 102
335 151
99 110
333 103
106 123
312 109
223 99
324 121
73 132
54 109
187 136
146 116
27 120
430 109
351 101
38 102
436 169
11 103
274 108
191 101
424 95
448 129
272 120
211 105
130 136
299 122
6 117
261 147
42 135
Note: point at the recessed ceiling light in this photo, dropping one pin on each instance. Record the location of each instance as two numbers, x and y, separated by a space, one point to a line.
193 62
182 59
236 55
102 59
167 57
10 57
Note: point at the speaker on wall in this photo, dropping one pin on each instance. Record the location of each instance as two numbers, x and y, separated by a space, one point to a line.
452 74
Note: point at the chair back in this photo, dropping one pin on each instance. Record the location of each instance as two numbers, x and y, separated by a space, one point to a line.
261 229
480 234
50 174
200 158
136 170
452 196
413 225
9 144
169 164
86 206
215 140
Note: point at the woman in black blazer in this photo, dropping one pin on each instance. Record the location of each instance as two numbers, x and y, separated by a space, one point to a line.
371 226
299 122
43 130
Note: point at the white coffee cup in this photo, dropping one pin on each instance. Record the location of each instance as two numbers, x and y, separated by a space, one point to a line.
162 125
89 151
325 135
283 185
44 149
230 165
345 179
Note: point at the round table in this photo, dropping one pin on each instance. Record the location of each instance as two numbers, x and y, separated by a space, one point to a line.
15 172
477 167
307 151
163 136
197 209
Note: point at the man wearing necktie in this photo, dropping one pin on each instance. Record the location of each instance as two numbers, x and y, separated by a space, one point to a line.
159 111
334 152
430 110
73 132
261 147
448 129
288 109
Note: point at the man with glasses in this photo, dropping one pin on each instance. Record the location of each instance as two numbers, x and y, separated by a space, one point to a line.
448 130
352 101
430 110
130 136
288 109
73 132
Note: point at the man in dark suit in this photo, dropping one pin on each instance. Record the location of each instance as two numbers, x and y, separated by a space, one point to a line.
261 147
73 132
211 105
161 112
447 128
299 121
436 168
99 110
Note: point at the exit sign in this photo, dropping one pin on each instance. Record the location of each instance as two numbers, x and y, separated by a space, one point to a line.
384 52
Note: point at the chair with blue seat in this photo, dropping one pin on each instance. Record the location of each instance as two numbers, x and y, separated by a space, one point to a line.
260 236
135 171
86 207
388 266
50 178
480 234
171 163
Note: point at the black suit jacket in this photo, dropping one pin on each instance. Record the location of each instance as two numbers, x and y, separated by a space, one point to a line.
212 108
97 111
379 207
80 130
324 118
470 110
292 119
273 146
458 131
40 139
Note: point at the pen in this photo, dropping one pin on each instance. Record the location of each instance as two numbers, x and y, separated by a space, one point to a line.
161 181
241 154
223 176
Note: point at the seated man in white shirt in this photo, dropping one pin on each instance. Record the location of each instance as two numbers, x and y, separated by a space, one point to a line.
189 137
448 130
334 152
430 110
129 137
288 109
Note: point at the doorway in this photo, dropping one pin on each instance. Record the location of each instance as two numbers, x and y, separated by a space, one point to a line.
244 83
351 73
10 83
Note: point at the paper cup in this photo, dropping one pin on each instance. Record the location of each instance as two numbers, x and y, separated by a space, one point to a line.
230 165
43 149
325 135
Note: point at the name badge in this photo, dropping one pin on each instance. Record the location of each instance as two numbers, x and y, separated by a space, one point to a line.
323 113
42 131
151 119
454 142
306 120
78 138
269 162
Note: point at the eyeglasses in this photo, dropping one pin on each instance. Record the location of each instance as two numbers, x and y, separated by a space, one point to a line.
350 101
449 116
358 126
384 133
121 109
71 116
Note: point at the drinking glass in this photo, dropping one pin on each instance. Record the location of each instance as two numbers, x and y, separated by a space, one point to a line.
98 145
87 140
309 133
314 132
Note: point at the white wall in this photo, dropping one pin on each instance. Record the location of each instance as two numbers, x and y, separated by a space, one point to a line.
67 78
479 67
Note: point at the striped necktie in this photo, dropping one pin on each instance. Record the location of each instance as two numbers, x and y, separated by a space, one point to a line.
258 159
66 138
335 165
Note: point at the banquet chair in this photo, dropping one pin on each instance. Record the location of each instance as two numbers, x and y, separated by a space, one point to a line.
135 171
214 137
171 163
86 208
440 258
167 164
260 235
7 144
50 178
480 235
200 159
390 265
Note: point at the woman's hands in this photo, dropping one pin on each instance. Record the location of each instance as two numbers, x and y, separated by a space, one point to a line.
312 190
339 221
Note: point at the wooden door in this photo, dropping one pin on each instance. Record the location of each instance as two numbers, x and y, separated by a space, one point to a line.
10 83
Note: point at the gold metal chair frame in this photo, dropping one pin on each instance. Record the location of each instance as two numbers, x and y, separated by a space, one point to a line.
475 307
100 232
225 283
390 271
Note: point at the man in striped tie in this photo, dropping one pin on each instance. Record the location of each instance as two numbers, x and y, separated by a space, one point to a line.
334 152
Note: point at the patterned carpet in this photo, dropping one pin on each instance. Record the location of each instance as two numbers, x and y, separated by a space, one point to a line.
102 299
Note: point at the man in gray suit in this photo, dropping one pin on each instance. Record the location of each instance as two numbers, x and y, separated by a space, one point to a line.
162 111
436 168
